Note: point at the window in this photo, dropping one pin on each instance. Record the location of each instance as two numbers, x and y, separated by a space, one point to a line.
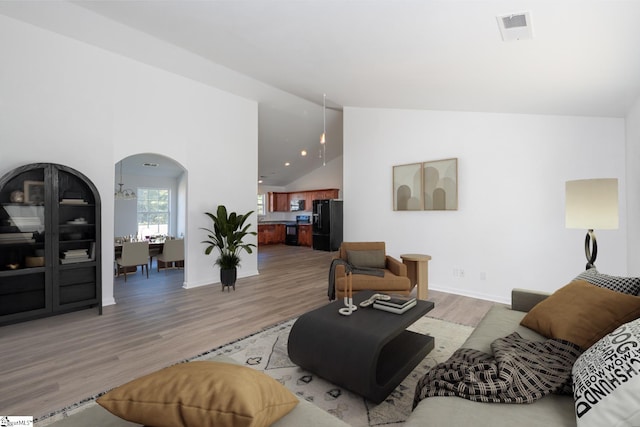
153 211
262 204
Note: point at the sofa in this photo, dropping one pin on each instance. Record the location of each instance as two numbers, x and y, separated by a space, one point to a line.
303 414
362 256
600 312
500 321
434 411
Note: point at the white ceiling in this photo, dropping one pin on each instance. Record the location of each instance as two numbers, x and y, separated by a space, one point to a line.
584 58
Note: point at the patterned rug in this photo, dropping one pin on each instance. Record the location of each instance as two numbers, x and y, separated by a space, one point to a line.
267 352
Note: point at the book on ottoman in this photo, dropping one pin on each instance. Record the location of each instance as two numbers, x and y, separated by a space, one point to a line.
397 301
395 305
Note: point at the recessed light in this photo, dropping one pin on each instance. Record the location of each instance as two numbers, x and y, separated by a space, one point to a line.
287 164
259 181
303 153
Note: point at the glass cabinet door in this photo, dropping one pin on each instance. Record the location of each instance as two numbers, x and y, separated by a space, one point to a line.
23 239
75 216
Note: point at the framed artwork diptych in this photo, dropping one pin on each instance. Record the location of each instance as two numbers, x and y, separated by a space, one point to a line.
431 186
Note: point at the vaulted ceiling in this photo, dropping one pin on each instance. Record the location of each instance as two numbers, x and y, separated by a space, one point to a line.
583 59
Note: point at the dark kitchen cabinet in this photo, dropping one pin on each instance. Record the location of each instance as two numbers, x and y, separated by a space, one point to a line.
49 242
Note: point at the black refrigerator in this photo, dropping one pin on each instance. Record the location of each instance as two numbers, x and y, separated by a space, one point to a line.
327 224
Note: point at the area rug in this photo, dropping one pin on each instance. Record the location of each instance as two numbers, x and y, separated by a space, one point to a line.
267 351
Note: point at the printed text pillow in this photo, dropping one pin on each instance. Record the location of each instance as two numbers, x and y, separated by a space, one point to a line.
606 380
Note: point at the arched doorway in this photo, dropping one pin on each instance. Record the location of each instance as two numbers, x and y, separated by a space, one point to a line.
157 210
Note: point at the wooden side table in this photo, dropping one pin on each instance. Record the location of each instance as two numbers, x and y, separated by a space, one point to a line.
418 272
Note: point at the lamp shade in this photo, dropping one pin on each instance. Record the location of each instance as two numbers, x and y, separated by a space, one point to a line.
592 204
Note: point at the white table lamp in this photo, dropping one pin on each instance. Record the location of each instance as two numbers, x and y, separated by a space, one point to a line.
592 204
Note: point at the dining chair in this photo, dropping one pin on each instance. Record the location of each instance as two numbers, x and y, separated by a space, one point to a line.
154 251
172 252
133 255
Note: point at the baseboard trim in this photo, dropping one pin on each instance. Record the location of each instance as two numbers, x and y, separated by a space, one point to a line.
464 293
195 284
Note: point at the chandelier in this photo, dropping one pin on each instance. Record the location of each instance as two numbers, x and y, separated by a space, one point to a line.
127 193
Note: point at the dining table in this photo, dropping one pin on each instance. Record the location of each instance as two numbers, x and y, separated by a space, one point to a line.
155 247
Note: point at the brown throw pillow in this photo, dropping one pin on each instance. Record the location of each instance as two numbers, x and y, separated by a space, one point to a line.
582 313
201 394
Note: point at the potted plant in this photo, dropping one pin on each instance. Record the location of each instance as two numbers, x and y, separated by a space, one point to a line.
227 236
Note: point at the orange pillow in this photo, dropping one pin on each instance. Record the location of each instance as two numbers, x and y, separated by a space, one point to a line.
582 313
201 394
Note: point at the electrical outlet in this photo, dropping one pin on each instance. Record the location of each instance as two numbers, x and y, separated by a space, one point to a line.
483 275
461 273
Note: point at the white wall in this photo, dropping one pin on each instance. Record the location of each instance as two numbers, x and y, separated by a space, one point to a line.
181 217
633 187
63 101
512 169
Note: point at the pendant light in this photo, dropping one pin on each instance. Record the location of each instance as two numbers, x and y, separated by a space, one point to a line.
126 194
323 137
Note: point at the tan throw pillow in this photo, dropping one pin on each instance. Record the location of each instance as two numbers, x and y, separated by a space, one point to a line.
582 313
201 394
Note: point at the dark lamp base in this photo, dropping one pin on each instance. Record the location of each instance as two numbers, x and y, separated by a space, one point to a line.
590 249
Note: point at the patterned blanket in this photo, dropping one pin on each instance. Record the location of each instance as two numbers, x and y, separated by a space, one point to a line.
519 371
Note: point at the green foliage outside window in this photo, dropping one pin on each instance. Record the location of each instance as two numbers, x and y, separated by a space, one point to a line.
153 211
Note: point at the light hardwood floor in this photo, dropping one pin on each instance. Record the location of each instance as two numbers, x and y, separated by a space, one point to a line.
51 363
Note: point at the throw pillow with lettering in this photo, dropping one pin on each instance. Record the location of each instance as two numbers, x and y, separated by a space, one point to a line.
606 380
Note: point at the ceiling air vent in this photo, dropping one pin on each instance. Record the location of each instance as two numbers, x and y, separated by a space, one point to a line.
515 26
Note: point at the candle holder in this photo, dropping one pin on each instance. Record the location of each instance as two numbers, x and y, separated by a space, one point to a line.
350 307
